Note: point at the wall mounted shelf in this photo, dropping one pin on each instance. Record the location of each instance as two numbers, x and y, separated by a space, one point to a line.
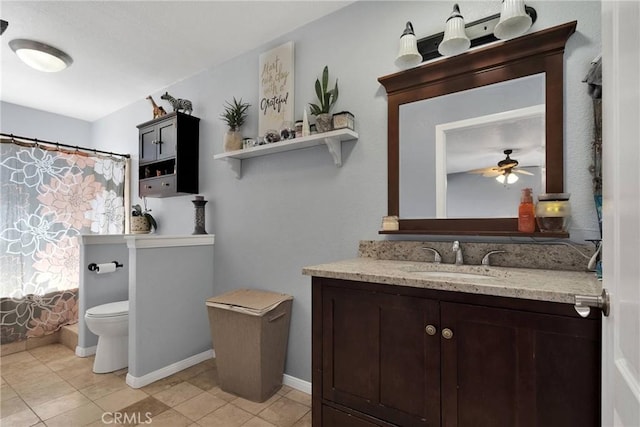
333 140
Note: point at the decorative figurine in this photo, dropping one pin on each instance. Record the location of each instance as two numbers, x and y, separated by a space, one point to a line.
178 104
157 111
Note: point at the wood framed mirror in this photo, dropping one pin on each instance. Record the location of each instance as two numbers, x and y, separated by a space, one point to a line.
537 54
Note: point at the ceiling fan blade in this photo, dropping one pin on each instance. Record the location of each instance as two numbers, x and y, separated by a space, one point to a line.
483 170
522 171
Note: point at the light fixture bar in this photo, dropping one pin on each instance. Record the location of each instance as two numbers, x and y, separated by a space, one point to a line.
480 32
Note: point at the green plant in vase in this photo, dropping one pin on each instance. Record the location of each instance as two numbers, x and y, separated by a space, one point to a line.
141 220
234 115
327 99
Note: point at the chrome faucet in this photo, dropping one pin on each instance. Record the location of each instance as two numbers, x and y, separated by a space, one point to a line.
458 250
436 256
485 259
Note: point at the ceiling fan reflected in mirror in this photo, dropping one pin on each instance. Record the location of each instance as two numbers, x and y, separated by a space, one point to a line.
505 172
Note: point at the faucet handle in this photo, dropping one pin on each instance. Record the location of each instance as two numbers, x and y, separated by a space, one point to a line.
485 259
437 259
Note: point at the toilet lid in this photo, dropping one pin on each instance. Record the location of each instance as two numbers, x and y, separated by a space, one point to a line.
112 309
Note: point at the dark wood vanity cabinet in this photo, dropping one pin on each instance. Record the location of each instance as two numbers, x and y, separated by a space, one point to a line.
168 149
390 355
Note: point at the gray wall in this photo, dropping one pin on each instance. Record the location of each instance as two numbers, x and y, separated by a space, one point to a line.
24 121
97 289
168 320
296 208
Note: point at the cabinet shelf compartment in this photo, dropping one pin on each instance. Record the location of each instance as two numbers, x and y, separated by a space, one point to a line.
151 170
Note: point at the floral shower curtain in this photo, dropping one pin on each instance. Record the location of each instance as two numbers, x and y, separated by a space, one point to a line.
47 199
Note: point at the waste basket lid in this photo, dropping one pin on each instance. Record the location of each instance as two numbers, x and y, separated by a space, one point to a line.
251 301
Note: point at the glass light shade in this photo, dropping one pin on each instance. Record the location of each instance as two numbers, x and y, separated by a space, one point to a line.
408 55
510 178
514 20
455 39
40 56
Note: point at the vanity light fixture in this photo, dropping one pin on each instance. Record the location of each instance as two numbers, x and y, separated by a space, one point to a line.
40 56
514 20
408 55
481 31
509 177
455 40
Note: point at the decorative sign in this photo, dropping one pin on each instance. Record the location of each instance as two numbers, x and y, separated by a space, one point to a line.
276 89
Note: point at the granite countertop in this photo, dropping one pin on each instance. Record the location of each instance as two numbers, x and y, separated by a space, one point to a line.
534 284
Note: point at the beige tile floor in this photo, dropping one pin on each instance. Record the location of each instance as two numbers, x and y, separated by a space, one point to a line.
50 386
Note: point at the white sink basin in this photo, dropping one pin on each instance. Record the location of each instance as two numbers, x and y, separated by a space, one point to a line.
451 274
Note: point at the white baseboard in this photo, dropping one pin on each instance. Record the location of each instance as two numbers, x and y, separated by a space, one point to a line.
85 351
137 382
297 383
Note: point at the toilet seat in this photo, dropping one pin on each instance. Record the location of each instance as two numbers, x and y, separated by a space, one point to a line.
113 309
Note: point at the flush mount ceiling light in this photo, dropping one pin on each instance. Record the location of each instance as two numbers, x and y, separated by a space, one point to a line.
40 56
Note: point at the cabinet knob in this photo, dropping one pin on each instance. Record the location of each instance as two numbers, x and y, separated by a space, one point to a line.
148 187
447 333
165 184
430 330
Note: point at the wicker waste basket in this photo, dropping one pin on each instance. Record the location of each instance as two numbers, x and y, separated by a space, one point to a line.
250 331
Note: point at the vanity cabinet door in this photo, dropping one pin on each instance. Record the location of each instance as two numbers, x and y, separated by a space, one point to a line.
377 356
505 367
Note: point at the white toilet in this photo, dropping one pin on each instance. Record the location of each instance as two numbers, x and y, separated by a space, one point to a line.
110 322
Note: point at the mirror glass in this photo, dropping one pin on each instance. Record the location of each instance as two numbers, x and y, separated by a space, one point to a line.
450 147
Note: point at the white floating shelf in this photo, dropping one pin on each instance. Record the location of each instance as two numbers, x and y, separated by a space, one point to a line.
332 139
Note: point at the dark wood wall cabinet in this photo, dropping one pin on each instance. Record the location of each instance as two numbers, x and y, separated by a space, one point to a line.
388 355
168 148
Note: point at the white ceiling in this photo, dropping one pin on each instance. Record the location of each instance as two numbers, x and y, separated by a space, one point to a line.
126 50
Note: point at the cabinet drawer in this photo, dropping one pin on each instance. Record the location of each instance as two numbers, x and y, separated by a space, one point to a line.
161 186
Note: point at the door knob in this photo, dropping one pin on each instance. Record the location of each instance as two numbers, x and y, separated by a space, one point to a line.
447 333
430 330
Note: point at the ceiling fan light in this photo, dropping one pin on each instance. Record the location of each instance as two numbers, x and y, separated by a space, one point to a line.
40 56
508 177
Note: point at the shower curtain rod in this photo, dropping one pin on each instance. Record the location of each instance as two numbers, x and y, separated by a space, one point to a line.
36 142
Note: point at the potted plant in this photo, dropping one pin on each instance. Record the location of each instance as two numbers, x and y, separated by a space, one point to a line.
327 99
141 220
234 115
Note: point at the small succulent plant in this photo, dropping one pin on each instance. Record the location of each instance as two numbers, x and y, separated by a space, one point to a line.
326 97
235 113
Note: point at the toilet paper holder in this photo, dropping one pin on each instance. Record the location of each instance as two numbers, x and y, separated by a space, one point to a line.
94 267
